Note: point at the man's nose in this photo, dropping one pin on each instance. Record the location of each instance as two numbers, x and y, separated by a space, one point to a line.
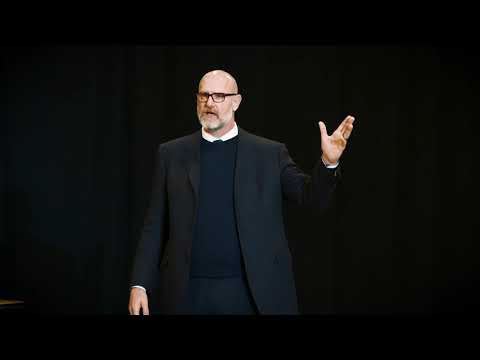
210 100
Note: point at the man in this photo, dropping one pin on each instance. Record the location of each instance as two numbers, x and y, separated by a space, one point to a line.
213 241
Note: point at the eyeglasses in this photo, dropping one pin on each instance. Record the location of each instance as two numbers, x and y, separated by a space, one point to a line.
216 97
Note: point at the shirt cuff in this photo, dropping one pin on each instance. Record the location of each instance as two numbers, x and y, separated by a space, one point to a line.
329 166
140 287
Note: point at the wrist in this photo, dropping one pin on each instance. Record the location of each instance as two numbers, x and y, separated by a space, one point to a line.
329 163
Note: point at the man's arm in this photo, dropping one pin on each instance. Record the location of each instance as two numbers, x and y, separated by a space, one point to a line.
145 269
303 189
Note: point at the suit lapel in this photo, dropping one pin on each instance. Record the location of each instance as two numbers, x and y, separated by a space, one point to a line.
241 178
241 170
193 161
193 164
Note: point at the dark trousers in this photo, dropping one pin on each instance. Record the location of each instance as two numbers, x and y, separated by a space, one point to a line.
218 296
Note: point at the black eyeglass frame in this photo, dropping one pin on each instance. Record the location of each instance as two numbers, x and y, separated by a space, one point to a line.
213 95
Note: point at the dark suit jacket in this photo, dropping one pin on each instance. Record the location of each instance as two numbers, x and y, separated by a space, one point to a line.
265 176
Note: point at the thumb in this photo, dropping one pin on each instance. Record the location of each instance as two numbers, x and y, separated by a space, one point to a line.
323 129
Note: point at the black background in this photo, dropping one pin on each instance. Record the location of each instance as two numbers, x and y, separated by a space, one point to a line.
81 124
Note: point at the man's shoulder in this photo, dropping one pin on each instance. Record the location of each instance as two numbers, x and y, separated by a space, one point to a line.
260 141
185 142
180 142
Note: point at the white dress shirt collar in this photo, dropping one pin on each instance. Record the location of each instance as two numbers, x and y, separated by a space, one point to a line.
231 134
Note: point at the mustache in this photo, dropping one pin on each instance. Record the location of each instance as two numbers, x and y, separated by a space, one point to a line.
210 111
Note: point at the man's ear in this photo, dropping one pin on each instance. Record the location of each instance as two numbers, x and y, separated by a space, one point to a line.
237 99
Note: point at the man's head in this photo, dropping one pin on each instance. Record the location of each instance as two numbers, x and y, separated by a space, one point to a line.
216 112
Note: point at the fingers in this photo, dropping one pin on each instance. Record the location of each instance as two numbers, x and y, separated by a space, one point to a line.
344 129
138 301
133 304
323 130
342 125
134 309
348 131
348 127
348 120
145 307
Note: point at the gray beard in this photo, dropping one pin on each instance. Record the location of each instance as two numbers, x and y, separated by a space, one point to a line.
208 126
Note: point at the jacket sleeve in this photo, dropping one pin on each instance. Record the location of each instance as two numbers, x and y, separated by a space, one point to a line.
302 189
147 256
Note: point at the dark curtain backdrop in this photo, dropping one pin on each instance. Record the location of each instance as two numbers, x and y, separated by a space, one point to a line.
81 124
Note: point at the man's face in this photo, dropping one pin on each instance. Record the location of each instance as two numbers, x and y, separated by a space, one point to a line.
215 115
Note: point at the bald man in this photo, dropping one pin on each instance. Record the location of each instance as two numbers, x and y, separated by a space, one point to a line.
213 240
